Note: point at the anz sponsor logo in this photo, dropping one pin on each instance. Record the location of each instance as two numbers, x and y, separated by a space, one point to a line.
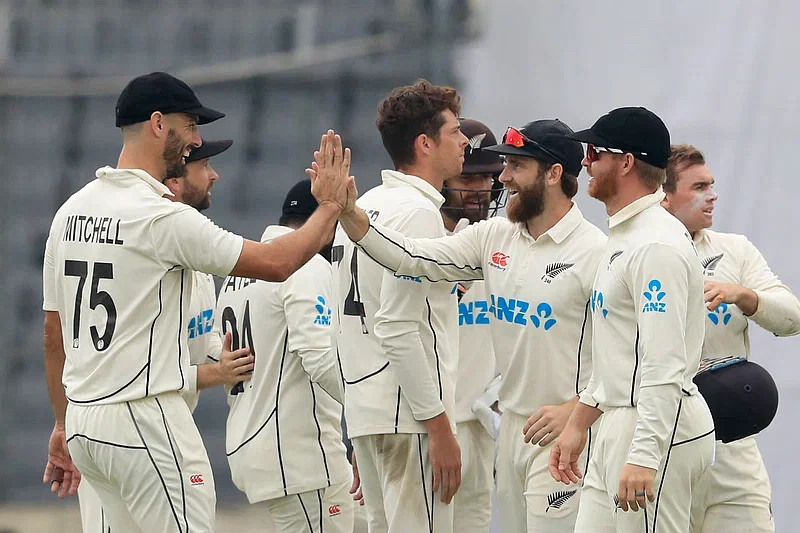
597 303
323 317
509 310
654 297
201 324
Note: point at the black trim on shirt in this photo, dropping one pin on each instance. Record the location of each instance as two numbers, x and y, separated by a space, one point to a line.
152 460
635 366
580 347
150 343
359 380
251 437
319 431
180 329
397 412
706 434
145 367
435 347
277 412
477 270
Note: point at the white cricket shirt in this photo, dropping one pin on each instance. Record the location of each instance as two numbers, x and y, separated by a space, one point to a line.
398 342
117 269
205 344
283 434
649 317
476 365
538 293
732 258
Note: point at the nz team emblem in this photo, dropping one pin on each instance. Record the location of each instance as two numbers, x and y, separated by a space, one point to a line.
710 264
554 269
557 499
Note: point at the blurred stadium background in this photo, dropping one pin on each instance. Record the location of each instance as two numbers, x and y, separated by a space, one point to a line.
721 73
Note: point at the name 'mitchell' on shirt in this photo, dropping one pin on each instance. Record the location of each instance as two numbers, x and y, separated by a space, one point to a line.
116 269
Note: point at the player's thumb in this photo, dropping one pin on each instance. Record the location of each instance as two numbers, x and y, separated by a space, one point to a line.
563 458
226 342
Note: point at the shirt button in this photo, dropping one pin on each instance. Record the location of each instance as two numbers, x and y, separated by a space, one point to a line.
524 265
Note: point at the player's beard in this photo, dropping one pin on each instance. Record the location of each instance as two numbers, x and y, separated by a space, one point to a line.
473 213
173 155
603 185
528 202
195 197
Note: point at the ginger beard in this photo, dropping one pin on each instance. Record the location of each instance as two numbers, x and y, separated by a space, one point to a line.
603 183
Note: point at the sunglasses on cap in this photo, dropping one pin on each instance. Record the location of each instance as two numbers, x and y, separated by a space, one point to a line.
593 152
514 137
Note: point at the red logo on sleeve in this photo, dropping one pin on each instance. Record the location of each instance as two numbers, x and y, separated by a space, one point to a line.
499 260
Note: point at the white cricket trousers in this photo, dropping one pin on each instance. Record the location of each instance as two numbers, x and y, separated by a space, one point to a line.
736 492
472 511
93 519
146 462
329 510
530 499
397 480
690 453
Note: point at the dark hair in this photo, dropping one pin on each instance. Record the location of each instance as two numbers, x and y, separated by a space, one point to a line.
292 220
682 156
410 111
569 182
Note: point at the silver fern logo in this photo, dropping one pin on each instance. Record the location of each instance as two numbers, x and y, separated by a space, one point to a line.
710 264
476 142
616 502
554 269
557 499
614 256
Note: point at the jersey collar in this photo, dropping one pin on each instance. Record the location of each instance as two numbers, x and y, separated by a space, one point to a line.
273 232
562 229
123 174
393 178
636 207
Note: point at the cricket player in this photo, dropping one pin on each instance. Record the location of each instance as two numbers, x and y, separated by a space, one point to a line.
283 436
398 341
210 364
656 435
538 266
739 285
117 287
469 198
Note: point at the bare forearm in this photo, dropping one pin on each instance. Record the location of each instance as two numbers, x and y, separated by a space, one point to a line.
583 416
54 358
355 223
747 301
208 376
277 260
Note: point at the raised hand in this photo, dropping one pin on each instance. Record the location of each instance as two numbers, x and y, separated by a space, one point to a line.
330 173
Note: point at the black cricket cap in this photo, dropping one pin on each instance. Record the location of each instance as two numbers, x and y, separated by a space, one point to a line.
477 160
742 398
632 129
159 91
208 149
548 140
299 202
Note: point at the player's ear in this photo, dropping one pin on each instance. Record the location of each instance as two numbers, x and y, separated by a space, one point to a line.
175 187
158 123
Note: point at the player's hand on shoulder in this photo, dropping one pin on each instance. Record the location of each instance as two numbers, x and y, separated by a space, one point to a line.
234 366
60 472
